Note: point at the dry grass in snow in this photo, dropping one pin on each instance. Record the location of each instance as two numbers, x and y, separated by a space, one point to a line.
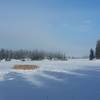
25 67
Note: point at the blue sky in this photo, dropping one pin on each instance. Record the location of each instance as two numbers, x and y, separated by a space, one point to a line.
70 26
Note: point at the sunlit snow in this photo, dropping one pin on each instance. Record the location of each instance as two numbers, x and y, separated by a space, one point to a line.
45 66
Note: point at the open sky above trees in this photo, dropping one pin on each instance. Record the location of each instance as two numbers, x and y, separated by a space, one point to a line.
70 26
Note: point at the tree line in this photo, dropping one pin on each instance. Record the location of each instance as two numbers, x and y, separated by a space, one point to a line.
96 53
30 54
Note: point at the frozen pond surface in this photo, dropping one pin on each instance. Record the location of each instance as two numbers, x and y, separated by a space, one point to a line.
55 80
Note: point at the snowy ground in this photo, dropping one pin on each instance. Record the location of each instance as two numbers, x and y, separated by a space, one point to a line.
54 80
67 67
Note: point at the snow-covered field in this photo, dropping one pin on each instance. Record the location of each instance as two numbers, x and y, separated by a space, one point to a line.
54 80
45 66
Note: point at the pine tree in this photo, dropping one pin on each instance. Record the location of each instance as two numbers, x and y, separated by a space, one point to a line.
98 50
91 56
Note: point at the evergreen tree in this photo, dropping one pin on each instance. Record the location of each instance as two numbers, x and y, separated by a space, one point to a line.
98 50
91 56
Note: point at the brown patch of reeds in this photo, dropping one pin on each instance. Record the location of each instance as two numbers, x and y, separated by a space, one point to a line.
25 67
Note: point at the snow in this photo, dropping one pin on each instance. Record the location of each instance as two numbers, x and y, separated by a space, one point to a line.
66 67
75 79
